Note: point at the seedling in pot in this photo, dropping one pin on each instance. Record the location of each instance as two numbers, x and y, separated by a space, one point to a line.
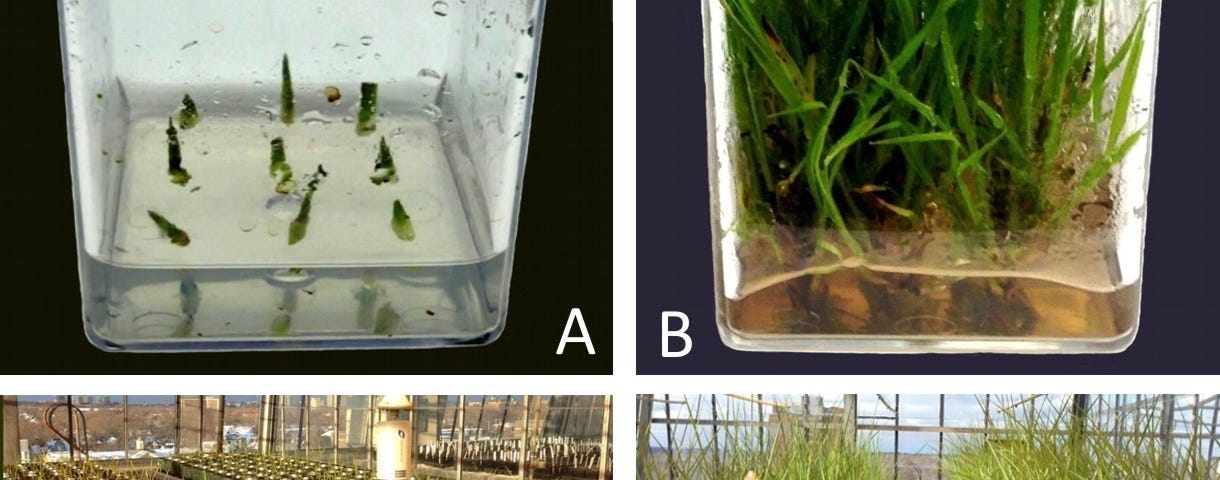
401 223
177 174
188 116
280 167
287 102
296 230
368 109
384 170
177 236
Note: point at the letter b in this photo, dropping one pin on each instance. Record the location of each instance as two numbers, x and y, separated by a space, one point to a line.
666 334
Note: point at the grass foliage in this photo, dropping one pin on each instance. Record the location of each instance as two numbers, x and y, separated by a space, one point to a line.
792 450
1043 443
979 116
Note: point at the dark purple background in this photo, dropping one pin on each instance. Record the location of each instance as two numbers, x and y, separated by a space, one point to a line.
1180 326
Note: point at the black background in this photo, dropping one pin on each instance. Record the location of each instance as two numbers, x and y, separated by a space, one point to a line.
563 252
1179 327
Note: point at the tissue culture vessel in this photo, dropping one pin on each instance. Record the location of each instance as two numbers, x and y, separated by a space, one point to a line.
290 246
911 175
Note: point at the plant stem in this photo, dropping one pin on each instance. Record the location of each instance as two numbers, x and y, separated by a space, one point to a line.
384 170
189 116
401 223
368 109
177 174
287 102
177 236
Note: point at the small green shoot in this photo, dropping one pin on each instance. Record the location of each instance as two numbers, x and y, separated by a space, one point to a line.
177 174
367 122
401 223
299 225
384 170
177 236
280 167
288 106
188 116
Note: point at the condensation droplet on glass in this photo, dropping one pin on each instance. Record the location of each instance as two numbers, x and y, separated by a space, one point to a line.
432 111
247 224
190 44
440 8
377 56
314 117
349 119
258 83
489 19
366 40
216 27
339 45
429 73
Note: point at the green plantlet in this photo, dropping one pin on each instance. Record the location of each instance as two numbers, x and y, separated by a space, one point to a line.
299 225
177 236
177 174
384 170
367 122
288 106
387 320
964 105
280 167
188 116
401 223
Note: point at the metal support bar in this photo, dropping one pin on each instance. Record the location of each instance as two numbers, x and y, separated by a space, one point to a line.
177 423
606 425
220 425
522 464
126 446
461 440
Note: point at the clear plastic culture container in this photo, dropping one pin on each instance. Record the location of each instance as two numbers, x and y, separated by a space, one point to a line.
297 175
929 176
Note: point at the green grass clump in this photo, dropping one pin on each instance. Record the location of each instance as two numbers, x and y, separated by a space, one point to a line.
984 117
1045 442
793 450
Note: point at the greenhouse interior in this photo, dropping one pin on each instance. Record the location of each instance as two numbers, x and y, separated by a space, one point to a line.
755 436
307 437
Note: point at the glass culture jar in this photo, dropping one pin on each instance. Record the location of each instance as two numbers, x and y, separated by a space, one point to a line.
297 175
929 176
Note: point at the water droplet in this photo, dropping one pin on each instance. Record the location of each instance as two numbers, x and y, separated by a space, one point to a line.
349 119
429 73
489 19
433 112
377 56
440 8
314 117
291 278
366 40
190 44
258 83
339 45
264 99
216 27
247 224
